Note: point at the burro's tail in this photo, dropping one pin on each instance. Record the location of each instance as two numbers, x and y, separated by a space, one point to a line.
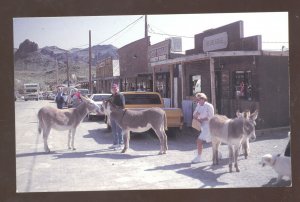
40 122
165 121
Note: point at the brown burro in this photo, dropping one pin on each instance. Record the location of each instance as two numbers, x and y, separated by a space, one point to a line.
231 132
139 120
64 119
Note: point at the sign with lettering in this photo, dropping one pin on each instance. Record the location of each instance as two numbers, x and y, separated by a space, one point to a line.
215 42
159 51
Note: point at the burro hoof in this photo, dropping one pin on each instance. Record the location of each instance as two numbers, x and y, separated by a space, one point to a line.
123 151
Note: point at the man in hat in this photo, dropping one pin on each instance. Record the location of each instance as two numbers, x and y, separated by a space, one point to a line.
117 99
203 112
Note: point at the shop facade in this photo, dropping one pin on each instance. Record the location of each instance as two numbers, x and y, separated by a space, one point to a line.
165 76
135 73
234 72
107 73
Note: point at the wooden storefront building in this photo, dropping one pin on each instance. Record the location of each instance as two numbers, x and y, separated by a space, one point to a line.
107 72
235 73
134 70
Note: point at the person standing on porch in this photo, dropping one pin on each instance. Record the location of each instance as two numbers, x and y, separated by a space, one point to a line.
203 113
117 99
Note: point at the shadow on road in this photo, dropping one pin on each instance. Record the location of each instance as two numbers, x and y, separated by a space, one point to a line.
98 154
32 154
146 141
204 174
282 183
59 154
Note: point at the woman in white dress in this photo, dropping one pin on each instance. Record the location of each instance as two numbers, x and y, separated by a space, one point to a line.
203 112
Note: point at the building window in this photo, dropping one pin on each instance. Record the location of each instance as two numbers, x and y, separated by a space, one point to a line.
195 84
242 85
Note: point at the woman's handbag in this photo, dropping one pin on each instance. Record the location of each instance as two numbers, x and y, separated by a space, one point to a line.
196 124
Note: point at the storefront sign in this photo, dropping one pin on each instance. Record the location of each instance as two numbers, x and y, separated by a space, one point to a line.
176 44
159 51
215 42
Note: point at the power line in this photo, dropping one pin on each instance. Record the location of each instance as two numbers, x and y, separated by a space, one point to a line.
121 30
114 34
172 35
117 38
161 32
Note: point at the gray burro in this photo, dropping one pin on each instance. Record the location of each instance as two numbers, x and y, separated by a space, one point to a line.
133 120
64 119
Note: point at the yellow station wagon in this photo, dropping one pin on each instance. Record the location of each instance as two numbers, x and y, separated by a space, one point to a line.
142 100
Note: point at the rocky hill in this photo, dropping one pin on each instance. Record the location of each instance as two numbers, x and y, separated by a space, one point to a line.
48 64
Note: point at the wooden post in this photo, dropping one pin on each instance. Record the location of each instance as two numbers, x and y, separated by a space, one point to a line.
154 80
68 80
171 85
56 71
183 87
212 83
90 63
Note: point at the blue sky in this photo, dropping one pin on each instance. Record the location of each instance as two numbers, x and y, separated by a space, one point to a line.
73 32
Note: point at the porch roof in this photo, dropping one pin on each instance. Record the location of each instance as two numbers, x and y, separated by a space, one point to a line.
208 55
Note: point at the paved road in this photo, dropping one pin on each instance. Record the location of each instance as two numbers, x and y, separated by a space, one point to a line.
93 167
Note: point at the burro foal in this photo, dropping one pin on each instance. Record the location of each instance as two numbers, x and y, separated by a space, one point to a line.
231 132
139 120
64 119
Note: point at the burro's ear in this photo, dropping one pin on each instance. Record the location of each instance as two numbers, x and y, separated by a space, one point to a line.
85 99
254 115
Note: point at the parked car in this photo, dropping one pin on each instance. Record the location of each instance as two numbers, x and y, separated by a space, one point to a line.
51 96
98 99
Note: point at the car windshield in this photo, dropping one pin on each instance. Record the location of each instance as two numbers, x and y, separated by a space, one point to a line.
100 97
142 99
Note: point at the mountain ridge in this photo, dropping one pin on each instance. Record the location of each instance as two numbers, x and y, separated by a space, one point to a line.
48 65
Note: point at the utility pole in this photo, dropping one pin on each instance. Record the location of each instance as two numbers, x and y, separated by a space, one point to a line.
67 69
56 71
146 27
90 64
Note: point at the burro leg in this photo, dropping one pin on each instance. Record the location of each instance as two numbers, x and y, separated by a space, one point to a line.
161 137
230 147
46 133
236 153
73 139
126 135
